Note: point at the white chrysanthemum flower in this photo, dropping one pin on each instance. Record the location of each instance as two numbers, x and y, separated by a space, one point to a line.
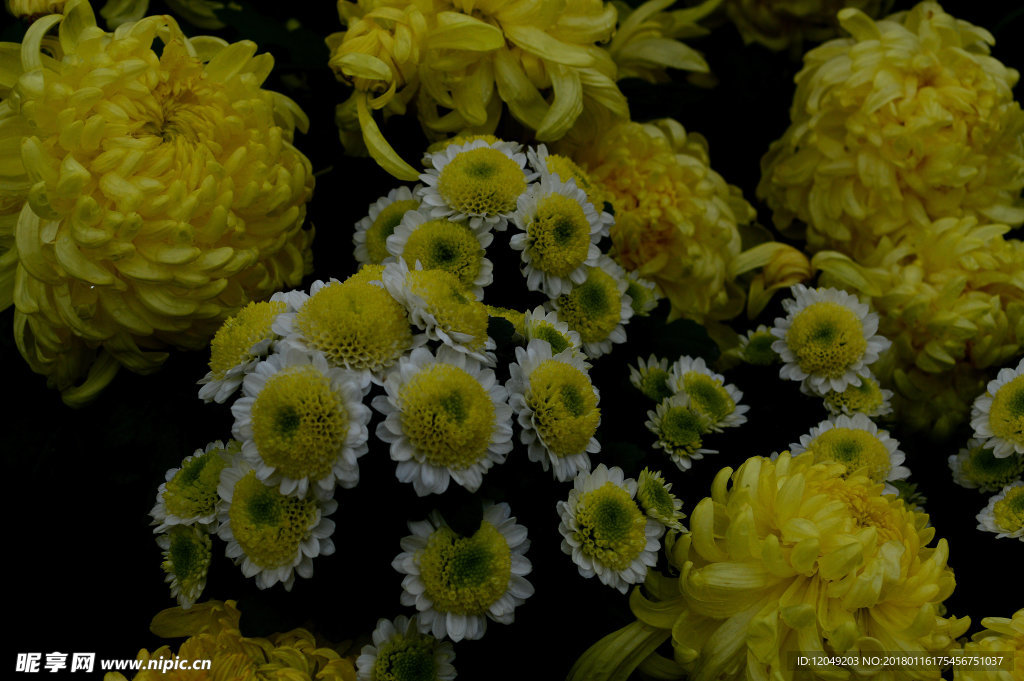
997 416
541 324
657 501
446 418
857 443
356 324
385 214
605 531
188 495
597 309
556 406
756 347
302 423
642 293
186 553
437 304
560 229
708 393
273 536
399 652
868 398
1004 513
651 377
442 244
680 430
564 169
828 338
976 467
458 583
478 182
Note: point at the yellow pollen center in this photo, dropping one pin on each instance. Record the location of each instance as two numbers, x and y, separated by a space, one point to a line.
384 226
192 492
405 658
564 407
268 525
452 308
865 398
232 344
680 430
610 526
547 332
465 575
559 235
482 181
299 424
984 468
827 339
594 308
855 449
654 383
567 169
1006 415
708 396
188 556
1009 511
448 416
445 245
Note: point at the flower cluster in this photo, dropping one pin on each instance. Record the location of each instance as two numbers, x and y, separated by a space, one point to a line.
157 192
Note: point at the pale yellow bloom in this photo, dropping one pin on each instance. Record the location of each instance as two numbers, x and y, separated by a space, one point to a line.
782 24
1001 637
153 195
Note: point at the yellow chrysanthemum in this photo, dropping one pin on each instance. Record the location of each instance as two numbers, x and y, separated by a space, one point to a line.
647 39
675 218
782 24
465 61
907 121
1002 637
788 556
212 631
29 9
154 195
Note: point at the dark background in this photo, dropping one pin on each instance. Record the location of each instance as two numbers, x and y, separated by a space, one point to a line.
80 558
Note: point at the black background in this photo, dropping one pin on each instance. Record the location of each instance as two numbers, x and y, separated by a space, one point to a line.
79 556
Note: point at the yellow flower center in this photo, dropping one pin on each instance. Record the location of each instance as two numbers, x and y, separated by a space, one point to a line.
855 449
445 245
594 308
482 181
680 430
268 525
610 526
448 416
865 398
1009 511
232 344
545 331
188 556
465 575
643 298
708 396
864 507
559 235
827 339
759 349
454 311
513 317
367 273
384 226
192 492
405 658
567 169
564 407
1006 415
299 425
357 325
983 468
656 499
654 383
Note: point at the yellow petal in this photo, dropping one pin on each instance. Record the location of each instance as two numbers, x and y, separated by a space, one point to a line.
379 149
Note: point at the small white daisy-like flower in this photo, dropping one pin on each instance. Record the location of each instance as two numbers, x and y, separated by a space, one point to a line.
477 181
827 339
651 377
441 244
540 324
355 324
598 308
559 233
564 169
302 423
385 214
399 652
556 406
857 443
458 583
997 416
446 418
643 294
273 536
976 467
658 502
756 347
605 531
186 553
188 496
708 393
238 346
1004 513
438 305
680 430
868 398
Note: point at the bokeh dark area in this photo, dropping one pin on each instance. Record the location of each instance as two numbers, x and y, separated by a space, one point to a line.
79 555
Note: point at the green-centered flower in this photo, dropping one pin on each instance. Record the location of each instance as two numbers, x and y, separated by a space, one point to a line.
272 536
457 583
565 169
679 430
385 214
443 244
598 308
642 293
539 324
658 502
857 443
868 398
399 652
1004 513
976 467
998 415
605 531
651 377
756 347
707 393
189 494
186 552
239 344
446 418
